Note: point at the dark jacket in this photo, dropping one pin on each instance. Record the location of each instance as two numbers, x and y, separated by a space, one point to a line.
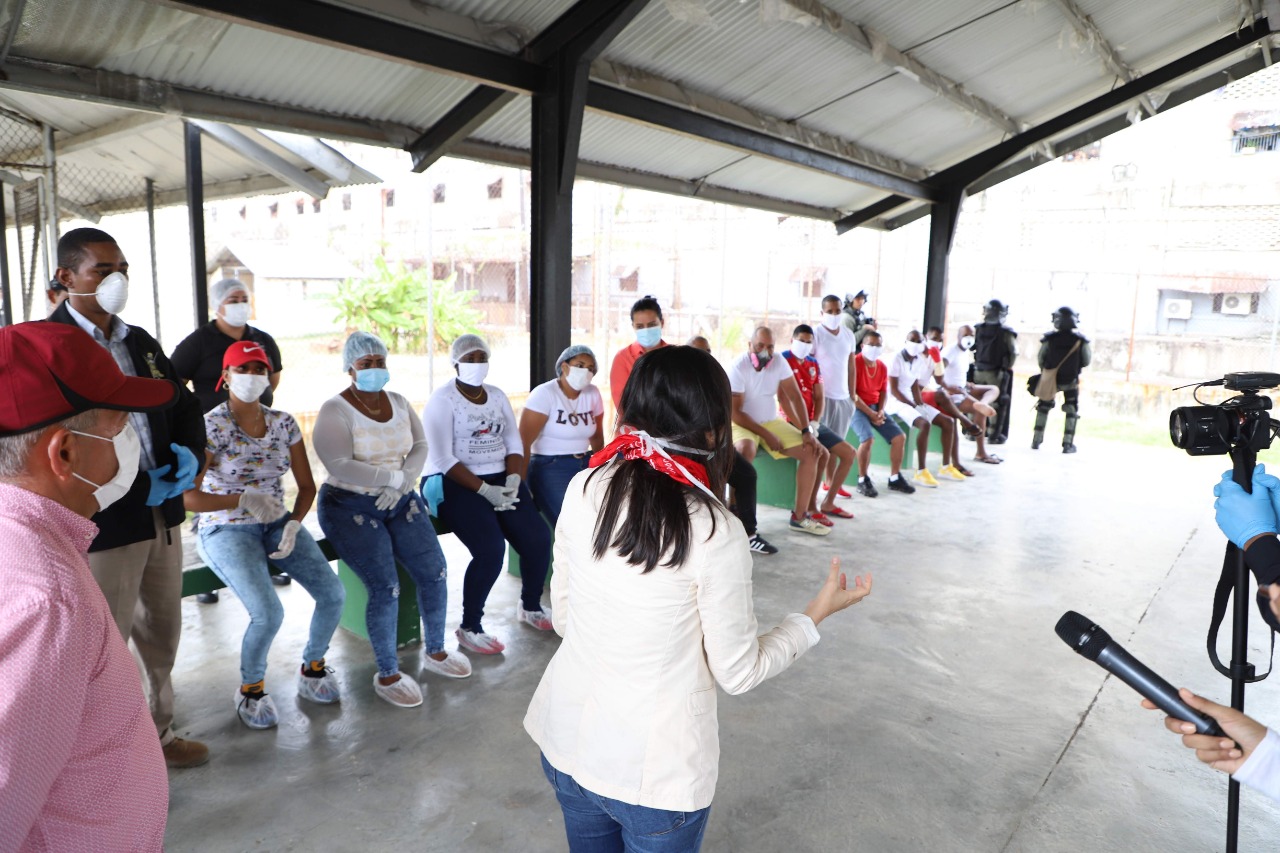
128 520
1054 347
995 346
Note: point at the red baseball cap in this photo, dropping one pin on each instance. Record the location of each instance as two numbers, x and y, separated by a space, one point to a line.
52 371
241 353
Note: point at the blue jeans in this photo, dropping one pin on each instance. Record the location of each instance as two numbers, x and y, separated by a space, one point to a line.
237 553
371 541
549 477
596 824
486 532
862 427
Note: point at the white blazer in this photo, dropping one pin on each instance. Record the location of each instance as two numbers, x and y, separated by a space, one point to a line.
627 706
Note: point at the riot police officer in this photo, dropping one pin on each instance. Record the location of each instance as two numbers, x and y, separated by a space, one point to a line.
994 352
1069 351
855 319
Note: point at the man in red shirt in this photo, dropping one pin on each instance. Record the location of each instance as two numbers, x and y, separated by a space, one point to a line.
869 417
809 377
646 320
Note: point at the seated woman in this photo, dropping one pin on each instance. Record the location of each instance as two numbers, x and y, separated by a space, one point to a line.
560 427
476 454
243 524
371 443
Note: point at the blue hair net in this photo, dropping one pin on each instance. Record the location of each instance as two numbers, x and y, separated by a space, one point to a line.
575 350
360 344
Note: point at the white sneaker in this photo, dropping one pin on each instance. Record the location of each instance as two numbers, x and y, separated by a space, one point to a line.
404 693
539 618
481 644
455 665
257 710
323 689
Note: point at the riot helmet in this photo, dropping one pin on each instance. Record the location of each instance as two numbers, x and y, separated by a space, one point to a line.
995 311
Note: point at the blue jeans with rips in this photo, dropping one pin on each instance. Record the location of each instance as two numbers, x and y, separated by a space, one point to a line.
596 824
371 541
237 553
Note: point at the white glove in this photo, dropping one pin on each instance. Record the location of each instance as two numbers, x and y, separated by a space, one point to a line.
388 497
261 506
397 480
513 483
288 538
502 498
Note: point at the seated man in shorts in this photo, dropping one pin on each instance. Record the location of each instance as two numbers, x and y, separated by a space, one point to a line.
757 379
808 376
869 417
970 399
910 369
941 399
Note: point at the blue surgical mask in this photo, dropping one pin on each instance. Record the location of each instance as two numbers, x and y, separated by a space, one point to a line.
649 337
372 379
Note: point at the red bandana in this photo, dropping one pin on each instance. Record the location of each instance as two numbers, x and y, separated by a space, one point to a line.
640 446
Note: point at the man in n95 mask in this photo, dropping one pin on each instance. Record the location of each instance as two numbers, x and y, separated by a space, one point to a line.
80 765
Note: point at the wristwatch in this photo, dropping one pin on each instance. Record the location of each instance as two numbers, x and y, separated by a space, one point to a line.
813 429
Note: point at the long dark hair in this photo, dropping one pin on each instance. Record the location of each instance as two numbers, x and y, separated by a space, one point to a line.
680 394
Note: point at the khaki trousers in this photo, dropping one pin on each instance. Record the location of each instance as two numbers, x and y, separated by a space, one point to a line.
142 583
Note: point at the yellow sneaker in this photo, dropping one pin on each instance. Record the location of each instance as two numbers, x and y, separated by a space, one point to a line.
951 472
925 479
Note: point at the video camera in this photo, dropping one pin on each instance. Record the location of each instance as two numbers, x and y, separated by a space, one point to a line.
1240 422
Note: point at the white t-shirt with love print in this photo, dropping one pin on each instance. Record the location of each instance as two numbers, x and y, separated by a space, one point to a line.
570 423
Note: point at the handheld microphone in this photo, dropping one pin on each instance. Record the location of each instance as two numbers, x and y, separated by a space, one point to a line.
1092 642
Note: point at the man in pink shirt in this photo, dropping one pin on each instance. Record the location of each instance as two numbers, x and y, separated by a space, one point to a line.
80 765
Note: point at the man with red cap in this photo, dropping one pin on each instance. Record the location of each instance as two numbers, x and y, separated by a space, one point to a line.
80 766
137 554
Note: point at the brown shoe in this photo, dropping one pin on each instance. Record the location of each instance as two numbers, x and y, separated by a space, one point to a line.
180 753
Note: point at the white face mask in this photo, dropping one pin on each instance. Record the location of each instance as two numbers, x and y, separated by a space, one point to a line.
871 353
236 314
128 451
248 386
801 349
578 378
471 373
914 348
831 322
967 342
112 293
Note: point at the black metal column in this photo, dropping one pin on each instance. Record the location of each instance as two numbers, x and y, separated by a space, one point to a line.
554 161
942 231
151 244
195 218
6 302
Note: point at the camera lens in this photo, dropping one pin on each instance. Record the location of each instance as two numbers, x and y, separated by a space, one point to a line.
1200 430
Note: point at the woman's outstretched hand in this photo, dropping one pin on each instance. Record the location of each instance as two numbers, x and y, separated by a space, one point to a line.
835 594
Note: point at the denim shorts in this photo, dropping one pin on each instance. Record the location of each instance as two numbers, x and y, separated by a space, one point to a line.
863 427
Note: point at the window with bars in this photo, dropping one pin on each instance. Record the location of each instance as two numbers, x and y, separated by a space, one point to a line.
495 189
437 194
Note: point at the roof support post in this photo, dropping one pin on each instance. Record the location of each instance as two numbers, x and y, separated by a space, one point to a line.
195 218
6 301
943 217
556 131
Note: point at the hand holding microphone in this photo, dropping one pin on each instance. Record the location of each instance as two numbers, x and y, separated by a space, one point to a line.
1220 753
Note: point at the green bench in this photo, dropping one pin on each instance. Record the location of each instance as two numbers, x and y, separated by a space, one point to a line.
776 478
197 579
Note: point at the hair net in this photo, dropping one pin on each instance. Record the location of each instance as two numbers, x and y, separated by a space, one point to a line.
220 291
360 344
466 344
575 350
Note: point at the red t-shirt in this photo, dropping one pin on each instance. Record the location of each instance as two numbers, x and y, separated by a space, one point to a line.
873 379
807 374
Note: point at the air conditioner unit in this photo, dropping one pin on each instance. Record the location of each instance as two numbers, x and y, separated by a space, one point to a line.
1237 303
1177 309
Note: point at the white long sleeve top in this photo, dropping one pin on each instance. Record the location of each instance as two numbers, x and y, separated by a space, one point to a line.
480 436
361 454
628 704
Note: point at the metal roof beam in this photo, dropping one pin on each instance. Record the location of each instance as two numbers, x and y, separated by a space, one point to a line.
321 157
237 188
270 161
1092 36
130 124
868 41
482 104
709 126
154 96
489 153
372 35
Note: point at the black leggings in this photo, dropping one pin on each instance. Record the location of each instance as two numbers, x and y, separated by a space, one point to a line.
742 479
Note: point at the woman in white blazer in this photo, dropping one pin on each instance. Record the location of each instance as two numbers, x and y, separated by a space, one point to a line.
654 604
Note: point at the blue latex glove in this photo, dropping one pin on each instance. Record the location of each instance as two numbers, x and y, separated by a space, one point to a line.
1243 515
185 478
159 488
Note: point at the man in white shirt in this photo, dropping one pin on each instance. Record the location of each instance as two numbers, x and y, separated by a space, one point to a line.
908 372
757 379
972 402
834 347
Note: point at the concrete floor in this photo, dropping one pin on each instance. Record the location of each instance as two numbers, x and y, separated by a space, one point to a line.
941 714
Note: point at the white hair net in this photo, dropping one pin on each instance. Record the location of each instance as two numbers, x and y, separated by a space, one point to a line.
466 344
221 290
572 351
360 344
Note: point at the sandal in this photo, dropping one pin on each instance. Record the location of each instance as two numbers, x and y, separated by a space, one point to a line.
963 470
838 512
990 459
